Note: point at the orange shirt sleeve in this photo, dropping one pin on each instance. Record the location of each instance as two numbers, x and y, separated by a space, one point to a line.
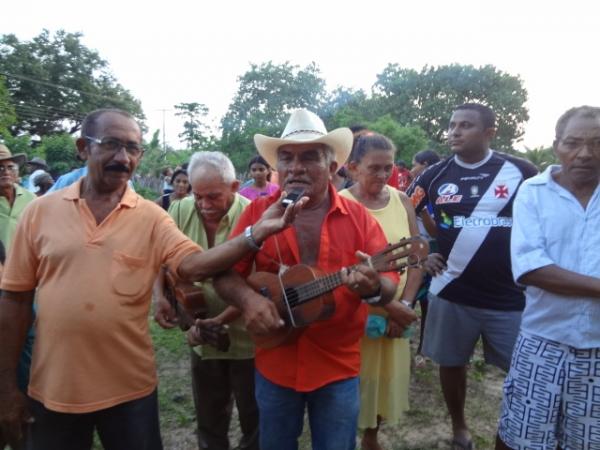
171 244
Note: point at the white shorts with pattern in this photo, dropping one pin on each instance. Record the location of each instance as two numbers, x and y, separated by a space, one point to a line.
551 396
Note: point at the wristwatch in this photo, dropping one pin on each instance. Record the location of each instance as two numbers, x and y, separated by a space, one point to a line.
250 239
374 299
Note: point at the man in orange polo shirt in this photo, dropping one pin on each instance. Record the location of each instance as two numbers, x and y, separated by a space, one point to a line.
92 251
320 369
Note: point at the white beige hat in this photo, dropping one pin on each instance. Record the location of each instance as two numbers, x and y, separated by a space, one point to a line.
304 126
5 155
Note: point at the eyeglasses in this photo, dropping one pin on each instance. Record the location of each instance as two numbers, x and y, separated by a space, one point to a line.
575 145
113 145
9 168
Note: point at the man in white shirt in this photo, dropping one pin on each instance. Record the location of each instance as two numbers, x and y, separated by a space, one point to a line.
552 391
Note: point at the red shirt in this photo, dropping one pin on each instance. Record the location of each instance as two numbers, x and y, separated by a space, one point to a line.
394 177
326 351
404 179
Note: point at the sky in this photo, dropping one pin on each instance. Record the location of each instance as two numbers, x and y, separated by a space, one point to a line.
194 51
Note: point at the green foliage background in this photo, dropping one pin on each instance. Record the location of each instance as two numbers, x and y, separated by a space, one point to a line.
49 83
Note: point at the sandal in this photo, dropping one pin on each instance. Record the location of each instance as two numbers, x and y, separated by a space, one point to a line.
420 361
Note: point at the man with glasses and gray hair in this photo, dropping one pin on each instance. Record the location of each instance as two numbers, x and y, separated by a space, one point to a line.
552 391
13 200
93 269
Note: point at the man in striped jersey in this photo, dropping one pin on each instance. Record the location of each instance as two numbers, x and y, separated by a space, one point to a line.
472 294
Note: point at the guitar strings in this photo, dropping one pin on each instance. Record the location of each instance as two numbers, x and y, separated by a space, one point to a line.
298 295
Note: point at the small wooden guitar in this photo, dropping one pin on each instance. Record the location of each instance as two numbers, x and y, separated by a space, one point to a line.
303 295
187 300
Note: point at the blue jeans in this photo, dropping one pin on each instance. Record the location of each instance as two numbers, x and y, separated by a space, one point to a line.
332 414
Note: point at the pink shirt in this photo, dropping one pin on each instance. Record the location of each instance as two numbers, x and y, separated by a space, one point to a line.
252 193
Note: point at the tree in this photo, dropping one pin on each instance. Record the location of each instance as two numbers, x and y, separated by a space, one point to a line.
195 131
155 159
347 107
54 81
541 157
8 115
408 140
427 98
266 95
60 152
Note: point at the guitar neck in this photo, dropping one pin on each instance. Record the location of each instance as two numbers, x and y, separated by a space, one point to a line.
307 291
382 261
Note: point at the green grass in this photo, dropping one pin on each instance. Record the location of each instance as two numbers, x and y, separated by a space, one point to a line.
426 426
174 390
147 193
170 345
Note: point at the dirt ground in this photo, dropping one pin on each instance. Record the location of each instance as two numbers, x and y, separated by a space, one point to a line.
424 427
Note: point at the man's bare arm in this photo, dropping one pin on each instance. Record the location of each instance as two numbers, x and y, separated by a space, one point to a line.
15 320
260 315
560 281
201 265
164 313
414 275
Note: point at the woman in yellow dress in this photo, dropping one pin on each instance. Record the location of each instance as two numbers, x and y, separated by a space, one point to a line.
385 364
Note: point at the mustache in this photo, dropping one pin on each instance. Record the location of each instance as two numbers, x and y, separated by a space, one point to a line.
117 168
297 180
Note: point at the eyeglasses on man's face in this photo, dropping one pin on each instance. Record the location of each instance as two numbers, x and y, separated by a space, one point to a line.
575 145
11 168
113 145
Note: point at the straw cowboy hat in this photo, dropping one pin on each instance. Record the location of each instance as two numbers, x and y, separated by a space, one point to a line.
303 127
5 154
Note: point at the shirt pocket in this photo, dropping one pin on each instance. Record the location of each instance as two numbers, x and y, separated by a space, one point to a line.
130 276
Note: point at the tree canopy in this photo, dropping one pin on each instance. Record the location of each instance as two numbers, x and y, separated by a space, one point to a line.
196 132
48 84
54 81
266 94
408 140
7 111
541 157
60 153
427 98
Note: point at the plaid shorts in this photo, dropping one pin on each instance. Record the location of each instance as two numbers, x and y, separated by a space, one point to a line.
551 396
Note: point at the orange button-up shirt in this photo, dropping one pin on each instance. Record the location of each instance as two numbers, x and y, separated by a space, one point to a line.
329 350
92 348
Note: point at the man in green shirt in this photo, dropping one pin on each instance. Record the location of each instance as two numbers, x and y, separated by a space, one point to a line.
207 218
13 198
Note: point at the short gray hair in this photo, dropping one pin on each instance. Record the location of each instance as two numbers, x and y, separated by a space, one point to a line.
218 161
585 111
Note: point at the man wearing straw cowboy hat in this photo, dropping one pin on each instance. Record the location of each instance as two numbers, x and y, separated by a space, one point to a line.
13 198
319 370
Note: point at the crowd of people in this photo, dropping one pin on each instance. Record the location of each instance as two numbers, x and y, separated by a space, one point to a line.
289 269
